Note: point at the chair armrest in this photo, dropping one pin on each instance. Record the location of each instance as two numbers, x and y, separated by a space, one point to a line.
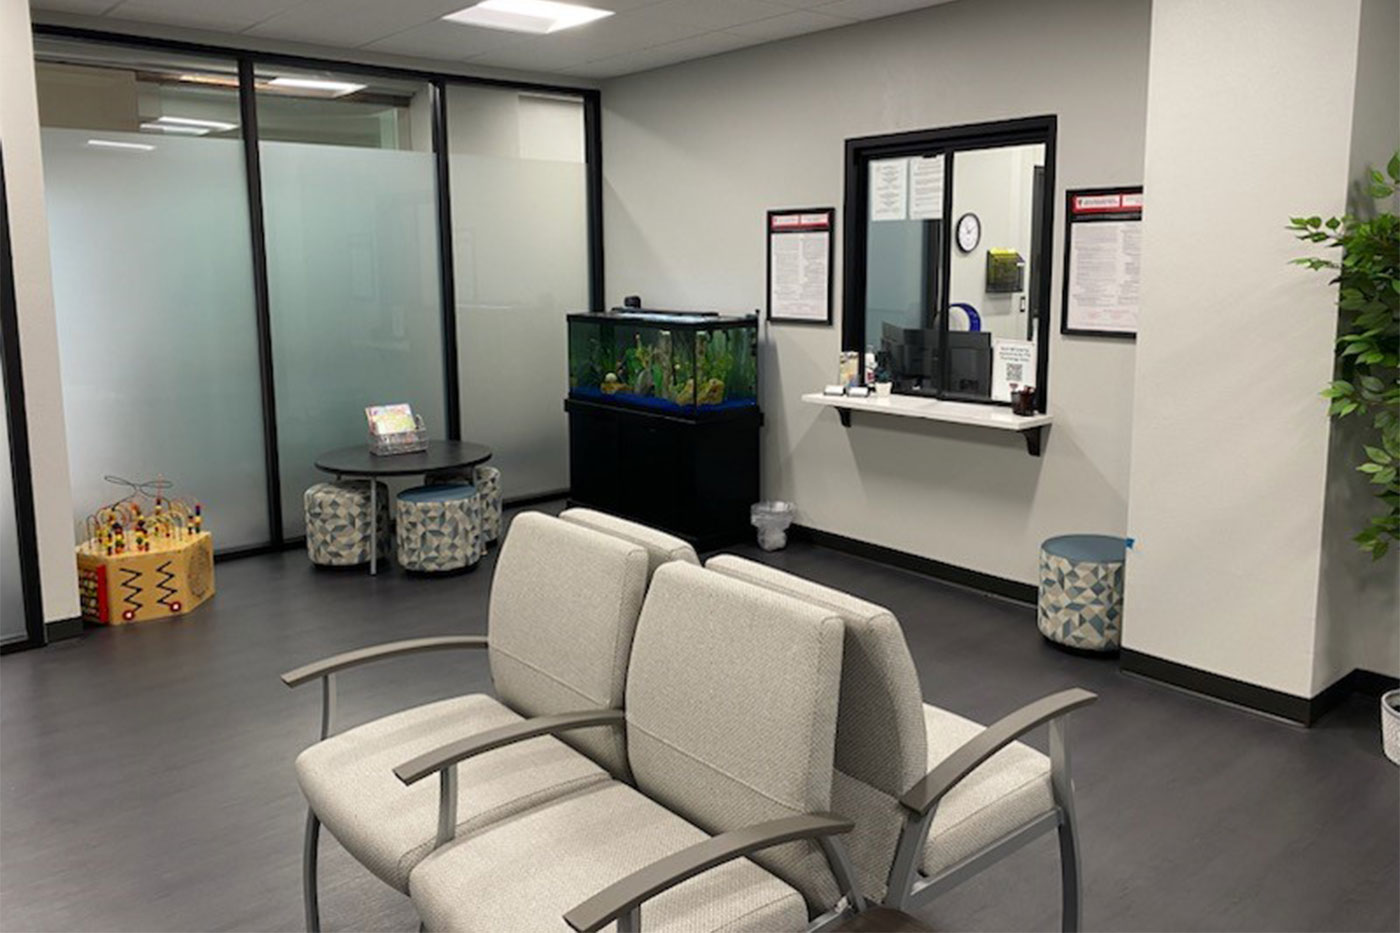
410 772
393 649
923 796
628 894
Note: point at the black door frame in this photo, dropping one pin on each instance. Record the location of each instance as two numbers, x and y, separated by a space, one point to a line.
438 82
17 426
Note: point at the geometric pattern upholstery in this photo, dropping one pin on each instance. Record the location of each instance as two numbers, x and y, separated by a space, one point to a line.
1005 792
439 528
1081 595
731 710
487 480
388 827
881 747
563 607
661 547
338 522
521 875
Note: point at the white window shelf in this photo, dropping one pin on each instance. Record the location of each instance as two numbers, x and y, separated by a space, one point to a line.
995 417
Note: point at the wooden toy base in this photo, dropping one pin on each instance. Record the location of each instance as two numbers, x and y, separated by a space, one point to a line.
168 580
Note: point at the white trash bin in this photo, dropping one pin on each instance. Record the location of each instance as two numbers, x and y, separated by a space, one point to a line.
772 520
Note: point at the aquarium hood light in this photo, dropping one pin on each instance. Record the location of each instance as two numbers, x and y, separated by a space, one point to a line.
533 16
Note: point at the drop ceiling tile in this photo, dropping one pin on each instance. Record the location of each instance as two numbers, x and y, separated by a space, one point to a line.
87 7
215 15
350 23
787 25
702 46
874 9
445 40
714 14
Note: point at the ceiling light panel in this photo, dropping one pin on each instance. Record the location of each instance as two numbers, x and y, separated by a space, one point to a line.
531 16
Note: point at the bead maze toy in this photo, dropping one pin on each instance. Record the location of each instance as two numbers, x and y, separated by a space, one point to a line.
145 556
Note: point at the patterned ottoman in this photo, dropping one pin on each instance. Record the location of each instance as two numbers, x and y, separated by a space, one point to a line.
338 522
439 527
488 486
1081 591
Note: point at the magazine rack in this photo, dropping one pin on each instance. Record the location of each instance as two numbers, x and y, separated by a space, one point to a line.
405 442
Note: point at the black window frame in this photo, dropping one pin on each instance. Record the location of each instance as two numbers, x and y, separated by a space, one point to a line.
246 60
948 141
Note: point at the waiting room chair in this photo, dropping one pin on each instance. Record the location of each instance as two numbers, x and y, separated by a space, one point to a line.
935 797
730 718
564 604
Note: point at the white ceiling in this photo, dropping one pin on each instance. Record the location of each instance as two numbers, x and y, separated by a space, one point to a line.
644 34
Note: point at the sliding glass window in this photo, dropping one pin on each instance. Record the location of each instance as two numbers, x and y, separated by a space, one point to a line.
152 274
520 242
350 201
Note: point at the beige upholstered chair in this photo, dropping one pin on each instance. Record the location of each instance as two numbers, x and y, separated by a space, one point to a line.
984 795
660 546
730 719
564 605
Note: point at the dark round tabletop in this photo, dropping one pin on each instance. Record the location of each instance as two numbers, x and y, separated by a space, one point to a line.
440 455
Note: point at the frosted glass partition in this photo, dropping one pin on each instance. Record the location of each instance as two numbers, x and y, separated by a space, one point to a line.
353 284
520 247
153 293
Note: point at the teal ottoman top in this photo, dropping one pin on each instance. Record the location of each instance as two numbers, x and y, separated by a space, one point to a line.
450 492
1096 549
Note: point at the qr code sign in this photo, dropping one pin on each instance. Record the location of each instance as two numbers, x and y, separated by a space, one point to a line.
1014 372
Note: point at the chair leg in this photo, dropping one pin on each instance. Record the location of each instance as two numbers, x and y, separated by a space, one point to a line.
1069 873
310 852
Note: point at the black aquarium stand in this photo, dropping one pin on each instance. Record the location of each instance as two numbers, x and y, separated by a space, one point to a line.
694 477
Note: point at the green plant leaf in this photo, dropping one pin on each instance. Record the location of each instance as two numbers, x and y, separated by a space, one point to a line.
1376 454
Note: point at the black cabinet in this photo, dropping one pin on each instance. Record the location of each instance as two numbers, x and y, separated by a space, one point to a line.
692 477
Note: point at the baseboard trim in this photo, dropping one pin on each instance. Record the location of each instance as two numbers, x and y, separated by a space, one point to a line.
949 573
1305 711
60 629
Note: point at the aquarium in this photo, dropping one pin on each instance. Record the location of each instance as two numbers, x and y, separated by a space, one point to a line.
689 364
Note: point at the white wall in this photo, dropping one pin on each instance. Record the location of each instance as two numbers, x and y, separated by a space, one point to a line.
694 155
1358 618
1248 123
24 182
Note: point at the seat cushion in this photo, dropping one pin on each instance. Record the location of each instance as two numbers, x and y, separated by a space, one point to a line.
349 782
1010 789
525 873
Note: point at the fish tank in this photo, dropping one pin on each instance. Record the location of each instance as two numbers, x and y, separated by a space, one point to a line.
688 364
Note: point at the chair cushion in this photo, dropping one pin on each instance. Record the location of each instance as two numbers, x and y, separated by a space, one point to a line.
660 546
524 874
731 710
1010 789
881 750
349 782
564 605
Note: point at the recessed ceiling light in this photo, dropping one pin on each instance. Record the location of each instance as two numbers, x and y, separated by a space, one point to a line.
332 88
536 16
114 144
190 123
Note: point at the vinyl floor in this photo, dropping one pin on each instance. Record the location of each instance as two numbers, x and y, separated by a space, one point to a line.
146 772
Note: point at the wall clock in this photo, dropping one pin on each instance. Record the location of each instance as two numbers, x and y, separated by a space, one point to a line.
969 232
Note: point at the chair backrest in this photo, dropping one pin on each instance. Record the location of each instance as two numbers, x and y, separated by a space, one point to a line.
564 606
660 546
731 711
881 745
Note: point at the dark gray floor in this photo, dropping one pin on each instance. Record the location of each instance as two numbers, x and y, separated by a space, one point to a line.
147 778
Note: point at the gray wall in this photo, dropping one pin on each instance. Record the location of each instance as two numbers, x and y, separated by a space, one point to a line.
694 155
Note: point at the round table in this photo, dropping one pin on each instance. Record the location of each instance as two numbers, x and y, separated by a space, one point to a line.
358 461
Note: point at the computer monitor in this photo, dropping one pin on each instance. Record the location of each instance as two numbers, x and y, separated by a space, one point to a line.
915 359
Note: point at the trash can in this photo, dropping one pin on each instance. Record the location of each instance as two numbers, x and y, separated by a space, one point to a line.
772 520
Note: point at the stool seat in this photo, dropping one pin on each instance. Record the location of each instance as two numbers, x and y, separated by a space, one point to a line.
439 527
1080 601
338 522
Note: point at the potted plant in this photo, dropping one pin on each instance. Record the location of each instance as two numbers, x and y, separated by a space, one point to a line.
883 373
1367 383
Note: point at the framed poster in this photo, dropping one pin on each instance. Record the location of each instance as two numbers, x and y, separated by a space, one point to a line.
1103 262
801 253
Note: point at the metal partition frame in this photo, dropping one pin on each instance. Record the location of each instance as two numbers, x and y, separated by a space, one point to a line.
246 60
